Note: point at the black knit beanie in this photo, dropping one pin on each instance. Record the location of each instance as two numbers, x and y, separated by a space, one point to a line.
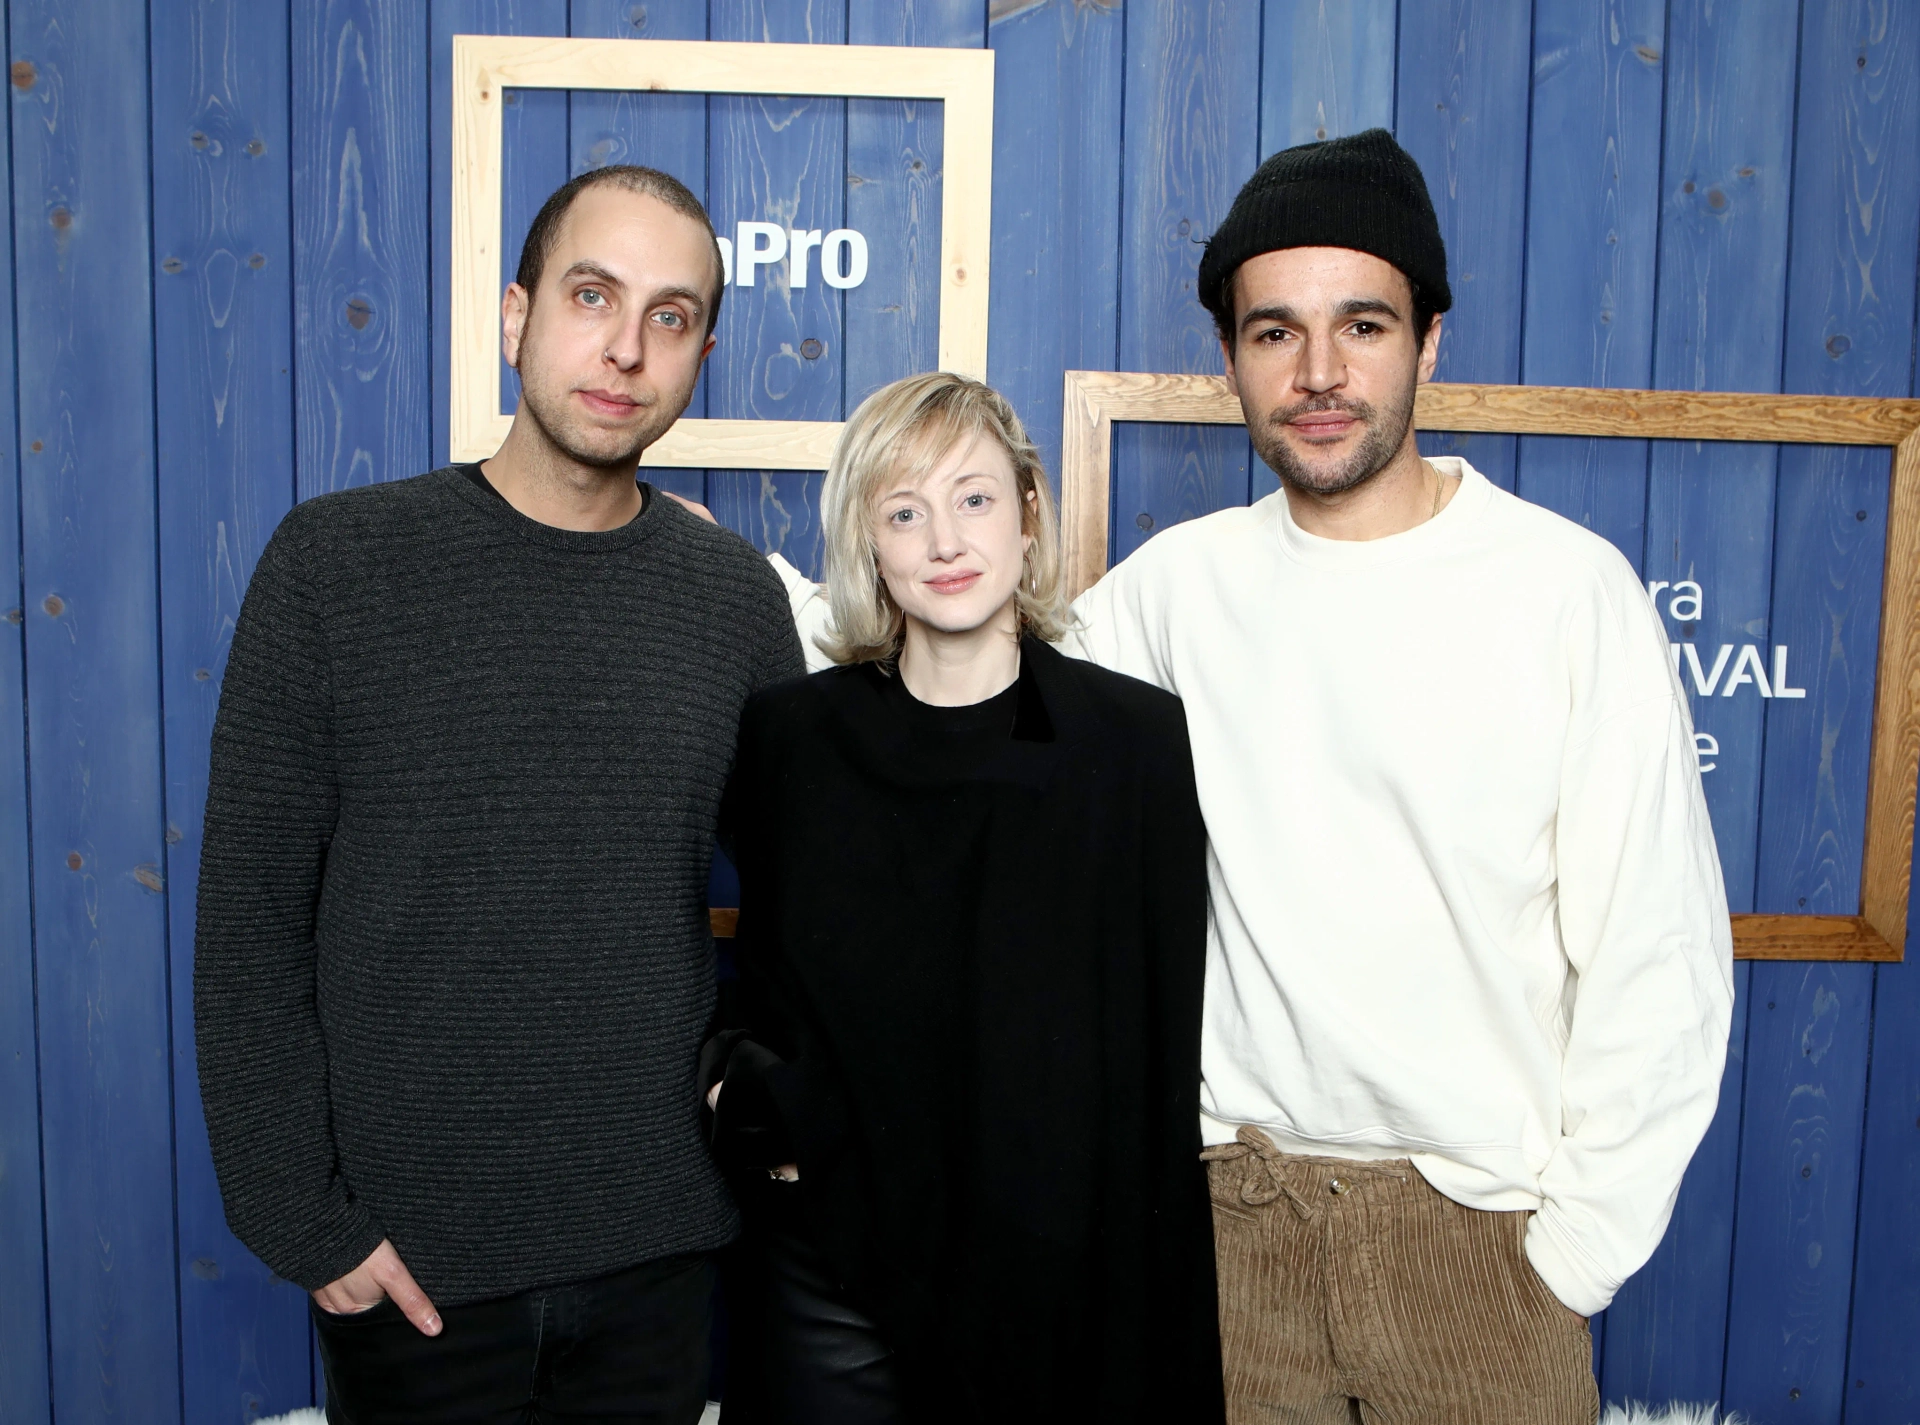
1363 192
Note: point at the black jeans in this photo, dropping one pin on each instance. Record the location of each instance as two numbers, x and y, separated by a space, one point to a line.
626 1349
799 1351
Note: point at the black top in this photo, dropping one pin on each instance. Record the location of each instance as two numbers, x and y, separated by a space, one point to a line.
972 944
453 966
956 730
479 477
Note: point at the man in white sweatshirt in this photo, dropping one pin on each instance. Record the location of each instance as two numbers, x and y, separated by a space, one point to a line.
1471 966
1470 972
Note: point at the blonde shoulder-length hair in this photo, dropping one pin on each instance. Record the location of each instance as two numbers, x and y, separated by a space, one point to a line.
903 431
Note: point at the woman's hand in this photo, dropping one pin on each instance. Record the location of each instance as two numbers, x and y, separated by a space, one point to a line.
694 505
786 1172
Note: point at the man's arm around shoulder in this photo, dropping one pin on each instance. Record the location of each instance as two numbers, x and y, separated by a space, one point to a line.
1121 622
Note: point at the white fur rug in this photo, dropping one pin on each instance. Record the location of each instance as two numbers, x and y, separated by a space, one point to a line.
1632 1414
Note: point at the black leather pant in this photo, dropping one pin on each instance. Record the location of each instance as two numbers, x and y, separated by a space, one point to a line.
800 1353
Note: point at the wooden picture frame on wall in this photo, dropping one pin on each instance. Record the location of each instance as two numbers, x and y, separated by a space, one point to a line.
486 66
1096 399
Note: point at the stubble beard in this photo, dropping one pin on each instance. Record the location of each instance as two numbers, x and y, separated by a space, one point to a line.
552 414
1386 432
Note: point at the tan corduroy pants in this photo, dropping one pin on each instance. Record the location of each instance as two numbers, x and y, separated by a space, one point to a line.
1354 1292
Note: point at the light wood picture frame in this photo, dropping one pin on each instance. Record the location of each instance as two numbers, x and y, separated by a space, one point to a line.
1096 399
486 66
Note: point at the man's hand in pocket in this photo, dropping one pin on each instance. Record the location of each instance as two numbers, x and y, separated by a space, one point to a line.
381 1276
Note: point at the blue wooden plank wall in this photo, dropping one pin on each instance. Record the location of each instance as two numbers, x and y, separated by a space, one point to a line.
228 256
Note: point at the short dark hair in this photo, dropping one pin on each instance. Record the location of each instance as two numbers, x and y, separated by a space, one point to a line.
1424 309
633 179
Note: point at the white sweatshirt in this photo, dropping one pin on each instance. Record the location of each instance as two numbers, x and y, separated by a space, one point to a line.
1466 903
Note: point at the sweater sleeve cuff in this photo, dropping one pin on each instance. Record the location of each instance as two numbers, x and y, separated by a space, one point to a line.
1566 1269
812 616
799 587
748 1130
329 1249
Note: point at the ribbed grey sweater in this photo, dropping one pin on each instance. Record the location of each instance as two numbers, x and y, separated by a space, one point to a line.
452 968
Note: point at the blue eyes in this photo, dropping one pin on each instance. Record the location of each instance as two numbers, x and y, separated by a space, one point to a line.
974 503
596 300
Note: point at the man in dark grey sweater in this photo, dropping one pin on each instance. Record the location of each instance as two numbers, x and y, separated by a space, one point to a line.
453 965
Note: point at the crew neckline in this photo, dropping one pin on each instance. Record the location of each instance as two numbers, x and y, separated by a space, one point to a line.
1427 537
992 714
653 515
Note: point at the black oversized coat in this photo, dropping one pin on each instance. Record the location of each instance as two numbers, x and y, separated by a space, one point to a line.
969 1008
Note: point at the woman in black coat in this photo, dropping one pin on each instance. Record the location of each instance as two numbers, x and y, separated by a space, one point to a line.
959 1094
